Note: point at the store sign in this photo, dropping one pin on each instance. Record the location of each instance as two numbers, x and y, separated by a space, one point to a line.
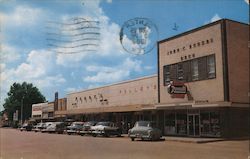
177 89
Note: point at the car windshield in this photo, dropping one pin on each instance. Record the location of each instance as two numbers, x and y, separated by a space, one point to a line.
104 123
145 124
90 123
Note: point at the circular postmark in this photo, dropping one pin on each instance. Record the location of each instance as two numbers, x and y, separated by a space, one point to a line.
138 36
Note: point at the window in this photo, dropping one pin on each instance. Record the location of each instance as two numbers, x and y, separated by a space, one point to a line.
180 72
211 66
166 74
195 70
191 70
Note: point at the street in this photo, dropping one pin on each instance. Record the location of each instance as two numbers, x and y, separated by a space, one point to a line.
30 145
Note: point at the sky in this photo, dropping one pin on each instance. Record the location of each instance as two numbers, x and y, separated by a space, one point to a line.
27 54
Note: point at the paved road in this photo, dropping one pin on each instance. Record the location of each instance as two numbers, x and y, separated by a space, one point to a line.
31 145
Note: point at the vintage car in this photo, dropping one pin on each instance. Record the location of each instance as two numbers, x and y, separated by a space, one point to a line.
145 130
39 127
105 129
86 128
55 127
26 127
74 128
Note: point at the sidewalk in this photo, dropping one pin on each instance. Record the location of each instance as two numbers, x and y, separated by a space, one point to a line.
192 140
187 139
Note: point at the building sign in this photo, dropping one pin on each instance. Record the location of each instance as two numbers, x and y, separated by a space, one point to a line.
177 89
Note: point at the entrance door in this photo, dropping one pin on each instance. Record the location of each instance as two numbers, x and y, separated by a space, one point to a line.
193 125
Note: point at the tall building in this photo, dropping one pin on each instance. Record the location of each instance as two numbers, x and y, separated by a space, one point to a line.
213 63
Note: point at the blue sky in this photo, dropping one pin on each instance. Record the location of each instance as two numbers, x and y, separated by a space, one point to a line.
25 55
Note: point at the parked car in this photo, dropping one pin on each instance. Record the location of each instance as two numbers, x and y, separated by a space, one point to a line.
74 128
105 129
145 130
39 127
55 127
86 128
26 127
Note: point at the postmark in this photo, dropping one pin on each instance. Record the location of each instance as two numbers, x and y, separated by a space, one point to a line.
75 35
138 36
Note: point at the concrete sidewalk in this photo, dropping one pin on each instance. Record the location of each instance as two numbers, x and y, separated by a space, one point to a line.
187 139
192 140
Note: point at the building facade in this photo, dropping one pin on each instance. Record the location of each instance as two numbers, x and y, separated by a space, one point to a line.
213 63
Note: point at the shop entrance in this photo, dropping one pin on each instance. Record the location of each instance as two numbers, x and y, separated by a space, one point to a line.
193 124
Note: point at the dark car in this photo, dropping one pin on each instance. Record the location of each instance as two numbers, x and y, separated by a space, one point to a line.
74 128
55 127
26 127
145 130
86 128
105 129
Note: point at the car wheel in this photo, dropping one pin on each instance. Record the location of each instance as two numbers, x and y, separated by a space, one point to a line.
132 139
94 135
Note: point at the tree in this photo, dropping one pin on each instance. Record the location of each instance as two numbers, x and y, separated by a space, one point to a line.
22 94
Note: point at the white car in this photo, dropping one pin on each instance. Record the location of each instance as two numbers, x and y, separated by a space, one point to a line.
105 129
39 127
145 130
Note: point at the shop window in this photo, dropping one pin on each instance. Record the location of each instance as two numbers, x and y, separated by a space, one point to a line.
194 70
198 44
190 46
211 66
181 123
178 50
207 41
194 45
180 73
203 42
215 123
210 124
169 124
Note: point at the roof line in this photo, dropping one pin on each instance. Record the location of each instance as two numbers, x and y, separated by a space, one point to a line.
199 28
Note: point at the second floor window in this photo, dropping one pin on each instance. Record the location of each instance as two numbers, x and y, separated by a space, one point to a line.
195 70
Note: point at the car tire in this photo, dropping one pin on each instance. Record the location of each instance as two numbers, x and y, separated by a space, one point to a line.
132 139
94 135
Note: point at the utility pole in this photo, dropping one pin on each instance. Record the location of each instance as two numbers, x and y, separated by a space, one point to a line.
22 111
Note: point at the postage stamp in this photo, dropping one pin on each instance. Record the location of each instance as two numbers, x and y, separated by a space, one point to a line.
138 36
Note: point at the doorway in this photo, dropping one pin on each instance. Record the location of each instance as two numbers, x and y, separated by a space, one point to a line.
194 125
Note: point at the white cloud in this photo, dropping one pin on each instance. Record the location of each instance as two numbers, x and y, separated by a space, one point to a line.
247 1
22 16
215 18
109 1
113 74
37 69
8 53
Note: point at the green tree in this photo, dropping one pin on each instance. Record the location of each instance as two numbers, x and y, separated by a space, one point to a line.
22 94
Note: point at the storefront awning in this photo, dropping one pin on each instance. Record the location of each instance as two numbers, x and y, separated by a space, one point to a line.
114 109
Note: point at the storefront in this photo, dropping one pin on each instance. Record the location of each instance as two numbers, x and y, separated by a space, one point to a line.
192 122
